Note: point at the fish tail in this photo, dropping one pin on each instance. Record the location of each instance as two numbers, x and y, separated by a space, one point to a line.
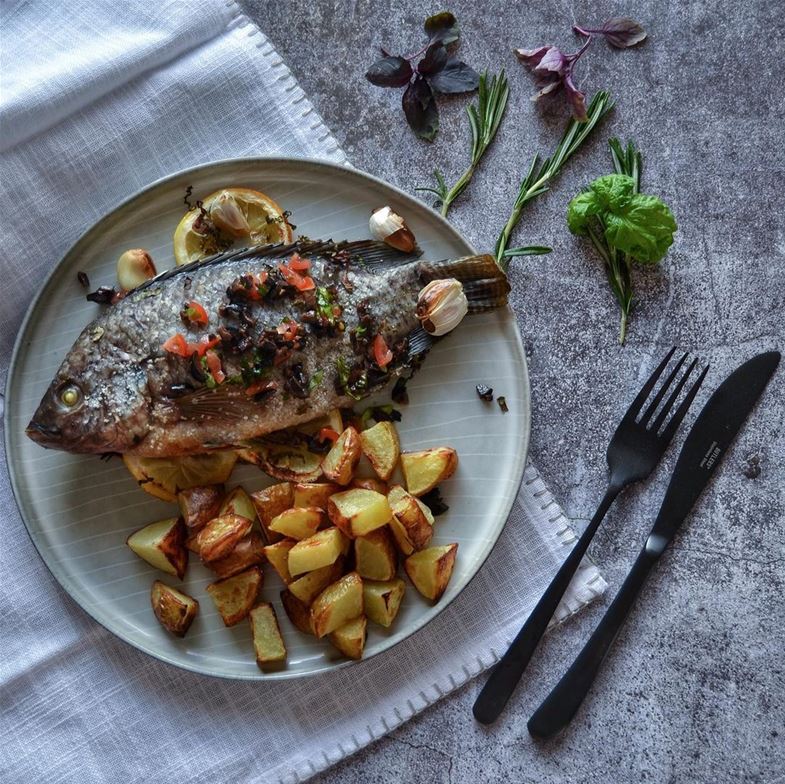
484 282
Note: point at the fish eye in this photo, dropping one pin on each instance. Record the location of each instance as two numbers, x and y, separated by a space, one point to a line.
70 396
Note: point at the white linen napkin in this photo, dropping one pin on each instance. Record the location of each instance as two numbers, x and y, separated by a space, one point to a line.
99 99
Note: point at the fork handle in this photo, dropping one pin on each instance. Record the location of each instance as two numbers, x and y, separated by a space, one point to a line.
505 676
558 708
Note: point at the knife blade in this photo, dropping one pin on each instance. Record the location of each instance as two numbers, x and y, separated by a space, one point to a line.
704 448
709 440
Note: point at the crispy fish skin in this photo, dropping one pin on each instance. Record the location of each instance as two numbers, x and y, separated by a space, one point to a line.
120 390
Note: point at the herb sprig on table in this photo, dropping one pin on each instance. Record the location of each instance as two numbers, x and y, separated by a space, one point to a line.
438 71
624 225
484 119
540 173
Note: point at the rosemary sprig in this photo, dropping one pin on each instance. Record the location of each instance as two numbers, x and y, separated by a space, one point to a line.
538 178
484 119
618 265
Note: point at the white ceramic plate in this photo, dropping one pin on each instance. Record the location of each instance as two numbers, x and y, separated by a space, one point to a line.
79 510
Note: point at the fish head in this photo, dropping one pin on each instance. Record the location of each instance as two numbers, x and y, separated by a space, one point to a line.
96 403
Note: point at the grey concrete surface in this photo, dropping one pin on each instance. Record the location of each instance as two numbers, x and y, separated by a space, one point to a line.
695 687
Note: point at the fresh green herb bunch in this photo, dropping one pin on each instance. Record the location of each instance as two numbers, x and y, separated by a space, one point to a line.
624 225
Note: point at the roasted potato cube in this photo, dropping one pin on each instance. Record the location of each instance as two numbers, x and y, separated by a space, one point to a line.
383 599
298 523
267 640
221 535
358 511
269 503
174 609
199 505
424 470
278 556
337 604
162 545
370 483
382 447
415 526
430 570
311 584
350 638
235 596
315 494
339 463
375 556
321 549
299 613
248 552
238 502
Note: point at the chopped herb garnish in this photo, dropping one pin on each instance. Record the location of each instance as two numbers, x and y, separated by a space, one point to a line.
434 501
352 382
103 295
316 379
485 392
400 394
502 404
83 279
379 414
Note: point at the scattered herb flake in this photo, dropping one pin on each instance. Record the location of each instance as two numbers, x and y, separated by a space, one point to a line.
316 379
485 392
84 281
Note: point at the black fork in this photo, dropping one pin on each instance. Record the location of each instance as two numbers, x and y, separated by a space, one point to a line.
635 449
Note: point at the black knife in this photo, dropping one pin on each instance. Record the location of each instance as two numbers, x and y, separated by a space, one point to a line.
705 446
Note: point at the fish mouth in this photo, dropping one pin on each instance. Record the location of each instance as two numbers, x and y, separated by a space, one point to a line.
45 435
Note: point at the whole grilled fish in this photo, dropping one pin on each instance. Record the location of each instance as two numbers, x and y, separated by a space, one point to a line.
223 350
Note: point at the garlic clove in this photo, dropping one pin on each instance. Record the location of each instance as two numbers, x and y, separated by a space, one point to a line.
389 227
134 267
441 306
227 216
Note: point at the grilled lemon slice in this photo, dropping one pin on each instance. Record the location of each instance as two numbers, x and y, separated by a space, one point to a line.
194 240
164 476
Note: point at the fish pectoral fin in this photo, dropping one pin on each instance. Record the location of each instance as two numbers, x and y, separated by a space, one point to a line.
225 402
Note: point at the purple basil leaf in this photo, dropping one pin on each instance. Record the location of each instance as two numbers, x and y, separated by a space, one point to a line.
552 60
531 57
434 60
622 32
390 72
576 97
442 27
419 106
455 77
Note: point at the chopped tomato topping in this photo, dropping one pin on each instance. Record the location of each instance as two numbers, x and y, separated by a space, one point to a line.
214 366
288 329
259 386
293 278
195 313
381 353
328 434
206 342
299 264
177 345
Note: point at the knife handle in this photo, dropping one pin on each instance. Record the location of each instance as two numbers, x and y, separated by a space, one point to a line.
558 708
505 676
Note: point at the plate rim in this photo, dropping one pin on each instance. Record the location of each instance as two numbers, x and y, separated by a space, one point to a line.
60 577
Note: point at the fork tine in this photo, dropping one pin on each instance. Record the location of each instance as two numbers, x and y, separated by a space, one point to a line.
640 399
670 429
669 403
652 407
